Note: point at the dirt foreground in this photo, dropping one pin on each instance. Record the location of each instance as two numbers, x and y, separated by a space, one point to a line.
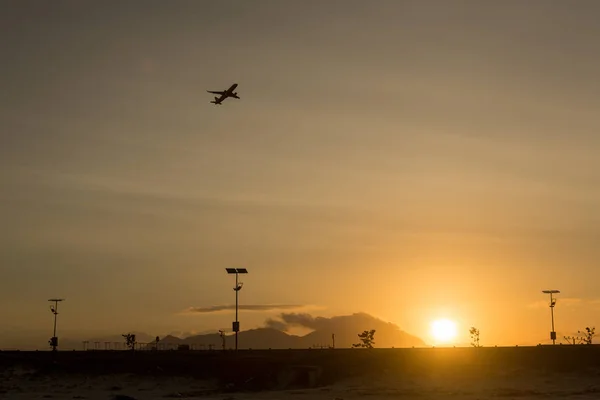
20 384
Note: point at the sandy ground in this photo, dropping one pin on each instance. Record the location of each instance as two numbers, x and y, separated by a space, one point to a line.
20 384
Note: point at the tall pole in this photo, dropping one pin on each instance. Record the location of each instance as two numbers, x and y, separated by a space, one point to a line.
237 291
54 309
552 304
55 316
552 317
223 338
237 288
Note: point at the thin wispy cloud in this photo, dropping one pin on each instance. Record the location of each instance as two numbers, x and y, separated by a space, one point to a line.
566 302
245 307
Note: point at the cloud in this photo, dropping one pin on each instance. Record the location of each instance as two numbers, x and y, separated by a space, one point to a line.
245 307
276 324
345 328
289 320
565 302
298 319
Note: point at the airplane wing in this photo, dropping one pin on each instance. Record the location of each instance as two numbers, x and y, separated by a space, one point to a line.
221 93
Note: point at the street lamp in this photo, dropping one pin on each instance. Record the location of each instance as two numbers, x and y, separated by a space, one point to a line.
54 309
223 338
237 288
552 304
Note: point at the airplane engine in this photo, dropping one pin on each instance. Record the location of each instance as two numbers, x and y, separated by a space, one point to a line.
216 98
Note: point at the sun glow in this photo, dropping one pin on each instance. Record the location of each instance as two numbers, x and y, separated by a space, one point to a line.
443 330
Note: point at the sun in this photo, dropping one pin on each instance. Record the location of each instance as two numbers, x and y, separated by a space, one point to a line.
443 330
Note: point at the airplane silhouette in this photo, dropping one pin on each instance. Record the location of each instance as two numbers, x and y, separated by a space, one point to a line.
225 94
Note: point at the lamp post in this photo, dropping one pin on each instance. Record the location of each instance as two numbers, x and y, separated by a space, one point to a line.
552 304
223 339
237 288
54 309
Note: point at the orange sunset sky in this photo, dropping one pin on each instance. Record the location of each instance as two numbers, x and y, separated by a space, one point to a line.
414 160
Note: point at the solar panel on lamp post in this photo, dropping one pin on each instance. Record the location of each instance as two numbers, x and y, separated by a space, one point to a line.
552 304
54 309
237 288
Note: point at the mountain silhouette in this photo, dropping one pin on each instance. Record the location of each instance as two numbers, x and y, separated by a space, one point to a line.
274 335
347 328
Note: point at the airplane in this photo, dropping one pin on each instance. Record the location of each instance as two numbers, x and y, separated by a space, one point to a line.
225 94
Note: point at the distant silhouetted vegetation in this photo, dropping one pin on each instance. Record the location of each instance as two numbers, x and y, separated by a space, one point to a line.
367 339
130 341
53 342
587 338
474 332
588 335
573 339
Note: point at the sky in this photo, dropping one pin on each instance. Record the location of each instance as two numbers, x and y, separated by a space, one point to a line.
413 160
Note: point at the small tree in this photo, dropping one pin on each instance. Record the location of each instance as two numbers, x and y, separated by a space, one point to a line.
588 335
474 332
130 341
53 342
367 339
587 338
